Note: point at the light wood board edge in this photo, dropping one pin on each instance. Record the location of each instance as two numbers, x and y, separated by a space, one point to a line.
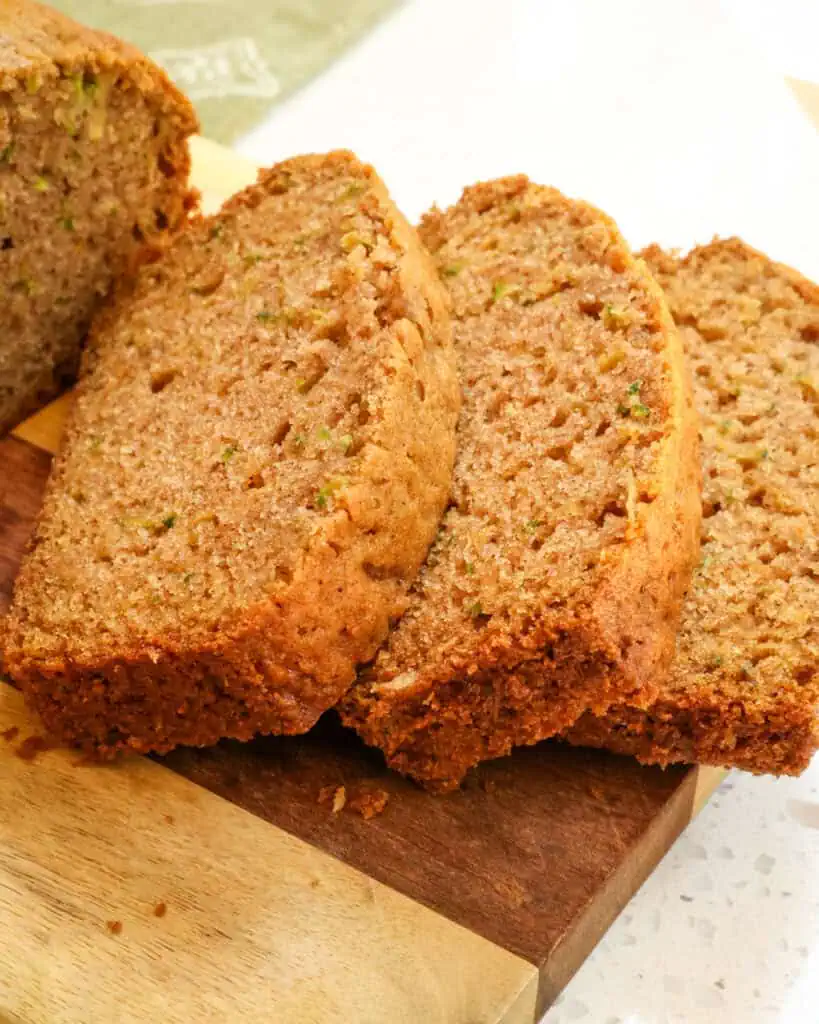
707 782
45 427
255 918
807 93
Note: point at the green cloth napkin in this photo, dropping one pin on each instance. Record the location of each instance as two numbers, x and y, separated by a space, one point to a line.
234 58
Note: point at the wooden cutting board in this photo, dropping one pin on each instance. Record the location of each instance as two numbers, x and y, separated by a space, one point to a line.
230 884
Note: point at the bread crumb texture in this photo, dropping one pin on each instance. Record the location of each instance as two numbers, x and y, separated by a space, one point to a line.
258 456
93 173
555 582
744 690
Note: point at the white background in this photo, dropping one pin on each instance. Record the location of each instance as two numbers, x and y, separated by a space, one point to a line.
675 119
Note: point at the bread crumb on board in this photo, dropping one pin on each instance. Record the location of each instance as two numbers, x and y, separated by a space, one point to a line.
114 927
336 796
368 803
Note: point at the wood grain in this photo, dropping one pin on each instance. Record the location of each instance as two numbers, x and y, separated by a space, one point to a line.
539 853
258 926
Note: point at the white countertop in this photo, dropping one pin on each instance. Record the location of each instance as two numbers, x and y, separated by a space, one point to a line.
675 118
726 929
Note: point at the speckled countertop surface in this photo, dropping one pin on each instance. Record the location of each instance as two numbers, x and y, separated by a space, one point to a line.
677 120
727 928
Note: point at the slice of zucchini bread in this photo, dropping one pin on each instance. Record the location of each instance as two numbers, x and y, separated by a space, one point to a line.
555 582
744 688
93 168
259 454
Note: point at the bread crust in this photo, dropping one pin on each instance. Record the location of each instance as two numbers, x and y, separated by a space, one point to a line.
86 196
277 658
437 703
38 39
744 689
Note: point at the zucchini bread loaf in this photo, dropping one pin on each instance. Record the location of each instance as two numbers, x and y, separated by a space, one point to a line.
259 453
93 168
555 583
744 689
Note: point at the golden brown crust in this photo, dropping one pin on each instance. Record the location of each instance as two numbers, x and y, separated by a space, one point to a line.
744 689
37 40
778 739
216 557
556 582
94 171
